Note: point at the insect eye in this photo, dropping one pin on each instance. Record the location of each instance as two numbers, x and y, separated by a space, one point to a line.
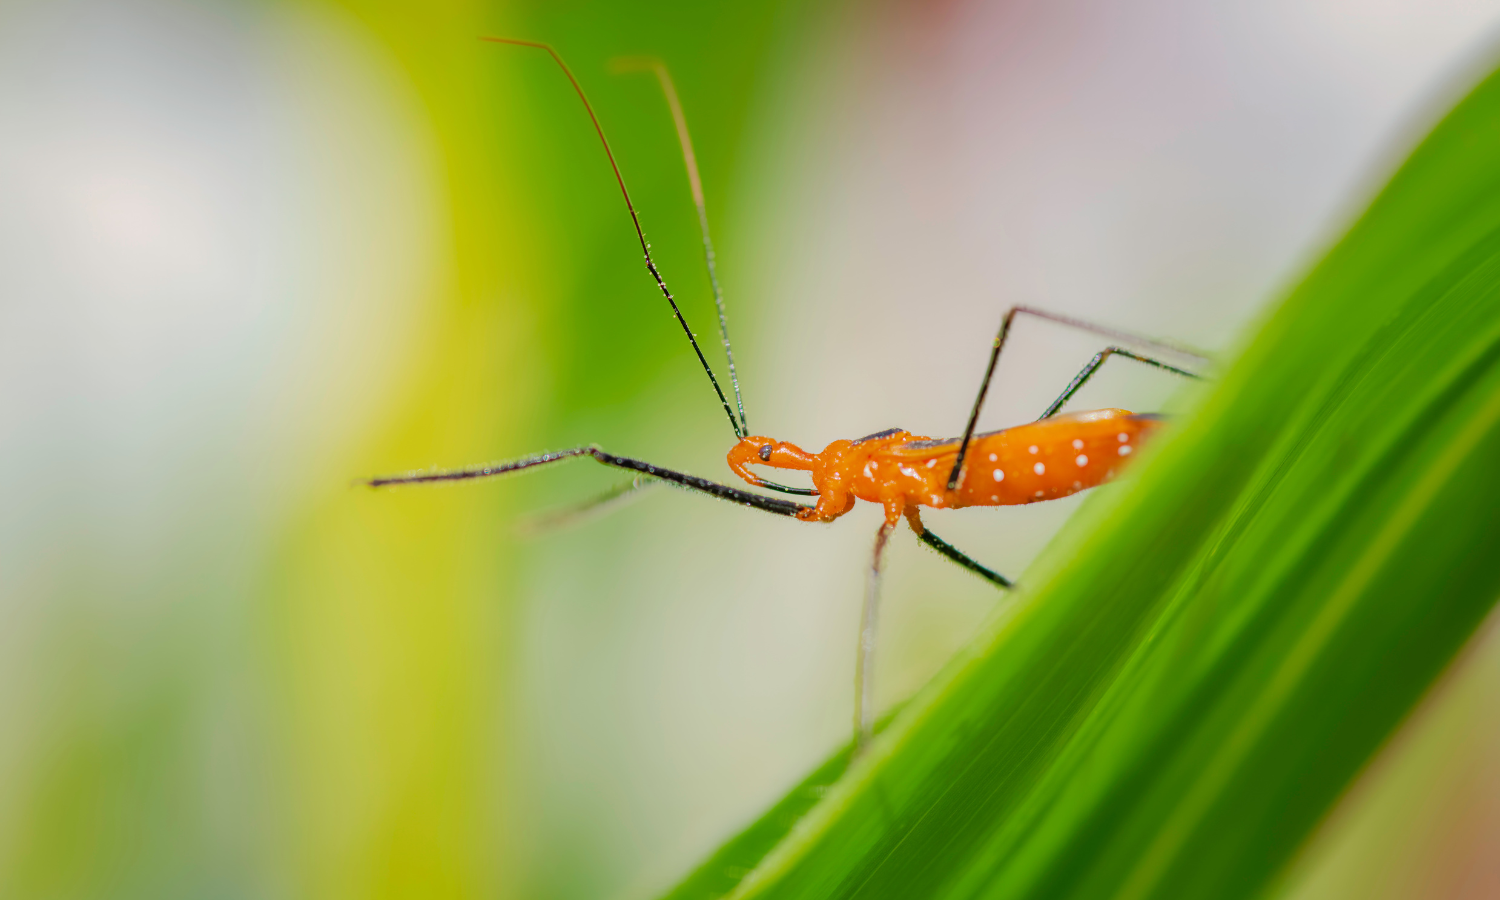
765 453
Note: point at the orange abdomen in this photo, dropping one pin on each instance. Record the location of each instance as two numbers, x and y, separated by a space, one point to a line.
1042 460
1051 458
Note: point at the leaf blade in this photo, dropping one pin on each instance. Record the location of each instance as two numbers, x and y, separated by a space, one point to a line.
1209 653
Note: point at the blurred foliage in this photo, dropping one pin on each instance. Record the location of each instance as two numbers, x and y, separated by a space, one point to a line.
1203 661
317 704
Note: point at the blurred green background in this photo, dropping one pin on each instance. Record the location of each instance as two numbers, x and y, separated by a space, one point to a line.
254 251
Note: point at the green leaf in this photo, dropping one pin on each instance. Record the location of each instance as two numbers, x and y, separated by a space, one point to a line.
1204 659
737 858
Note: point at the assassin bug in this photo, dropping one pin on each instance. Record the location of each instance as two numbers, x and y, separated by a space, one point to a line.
1054 456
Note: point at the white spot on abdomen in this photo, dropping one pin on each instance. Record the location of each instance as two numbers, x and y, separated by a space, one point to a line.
868 467
999 475
931 463
1122 437
1039 468
1082 460
1031 449
993 457
1077 443
1124 449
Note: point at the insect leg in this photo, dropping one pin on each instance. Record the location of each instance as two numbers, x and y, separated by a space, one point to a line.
551 520
914 519
989 372
488 470
641 467
1088 371
963 559
864 668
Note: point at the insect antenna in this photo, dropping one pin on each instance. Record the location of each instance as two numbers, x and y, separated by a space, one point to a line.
690 160
739 429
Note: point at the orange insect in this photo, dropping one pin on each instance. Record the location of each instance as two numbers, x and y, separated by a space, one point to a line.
1055 456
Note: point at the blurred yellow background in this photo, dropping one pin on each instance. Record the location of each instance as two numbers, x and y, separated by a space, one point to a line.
251 252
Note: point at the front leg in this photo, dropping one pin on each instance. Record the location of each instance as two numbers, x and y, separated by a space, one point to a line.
833 501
